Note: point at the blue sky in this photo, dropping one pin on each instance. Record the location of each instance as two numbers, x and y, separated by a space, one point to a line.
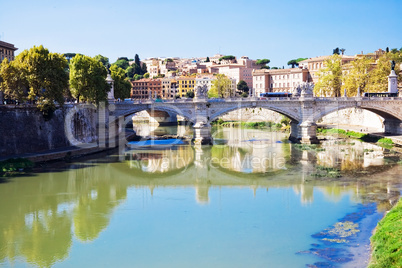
277 30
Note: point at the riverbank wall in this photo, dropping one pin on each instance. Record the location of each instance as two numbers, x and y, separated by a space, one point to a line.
24 129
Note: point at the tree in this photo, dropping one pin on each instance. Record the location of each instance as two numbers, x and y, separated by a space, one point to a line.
137 60
242 87
342 50
69 56
330 78
138 77
358 72
144 68
378 80
190 94
122 86
38 75
336 51
221 87
263 63
228 57
130 72
146 75
104 60
88 79
122 63
13 82
394 50
293 63
207 60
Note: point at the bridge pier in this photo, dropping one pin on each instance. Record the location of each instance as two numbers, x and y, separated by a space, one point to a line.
393 126
202 133
305 132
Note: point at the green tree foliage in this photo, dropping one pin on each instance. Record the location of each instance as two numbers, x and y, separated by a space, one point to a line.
293 63
343 50
190 94
263 63
122 86
40 74
357 75
123 58
130 72
228 57
207 60
146 75
104 60
300 59
88 79
13 81
378 80
122 63
242 87
144 68
335 51
138 77
330 78
137 60
169 60
69 56
221 87
394 50
274 68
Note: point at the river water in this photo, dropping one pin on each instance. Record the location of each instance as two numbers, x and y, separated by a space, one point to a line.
250 200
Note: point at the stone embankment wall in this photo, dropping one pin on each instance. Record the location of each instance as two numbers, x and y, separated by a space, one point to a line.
25 129
356 117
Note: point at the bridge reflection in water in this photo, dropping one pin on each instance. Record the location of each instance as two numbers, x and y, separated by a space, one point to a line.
45 213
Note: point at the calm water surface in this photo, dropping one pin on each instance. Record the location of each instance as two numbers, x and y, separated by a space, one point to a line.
250 200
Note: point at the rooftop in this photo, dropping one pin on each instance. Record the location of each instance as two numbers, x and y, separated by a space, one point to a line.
7 45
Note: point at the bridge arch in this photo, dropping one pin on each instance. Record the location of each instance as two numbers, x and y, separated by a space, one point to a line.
168 109
217 112
384 112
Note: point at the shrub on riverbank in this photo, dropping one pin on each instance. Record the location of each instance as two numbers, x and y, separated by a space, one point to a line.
14 166
386 243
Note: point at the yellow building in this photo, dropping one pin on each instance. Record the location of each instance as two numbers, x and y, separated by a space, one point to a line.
185 84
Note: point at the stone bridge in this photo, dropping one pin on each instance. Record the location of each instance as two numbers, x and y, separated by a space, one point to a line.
303 111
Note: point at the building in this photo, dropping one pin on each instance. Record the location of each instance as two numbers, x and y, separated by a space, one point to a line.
278 80
146 88
315 64
185 84
7 51
241 70
169 88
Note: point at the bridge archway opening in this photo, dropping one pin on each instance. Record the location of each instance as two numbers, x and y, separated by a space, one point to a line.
357 117
150 126
371 119
254 114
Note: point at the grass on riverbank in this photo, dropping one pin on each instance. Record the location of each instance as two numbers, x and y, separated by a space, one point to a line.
272 125
386 243
385 142
14 166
